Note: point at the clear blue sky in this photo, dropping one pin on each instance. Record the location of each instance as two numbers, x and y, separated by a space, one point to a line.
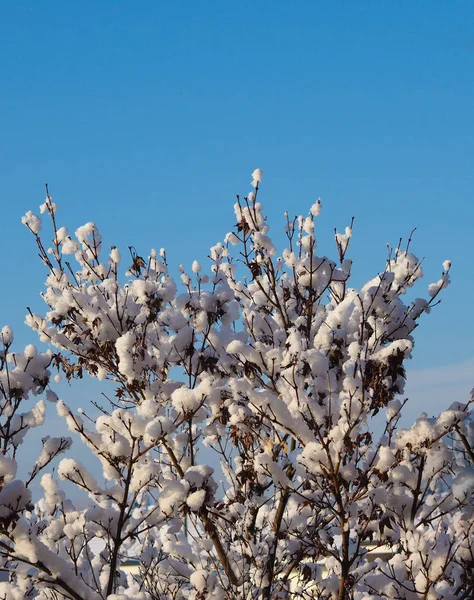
147 117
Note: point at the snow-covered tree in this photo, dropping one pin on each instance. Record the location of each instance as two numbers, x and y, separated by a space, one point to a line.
273 366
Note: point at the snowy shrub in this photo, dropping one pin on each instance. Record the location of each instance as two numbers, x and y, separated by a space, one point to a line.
271 362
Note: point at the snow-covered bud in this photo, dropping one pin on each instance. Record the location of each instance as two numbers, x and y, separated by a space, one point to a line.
48 206
30 351
443 281
87 231
32 221
114 255
69 246
257 177
61 234
7 336
315 210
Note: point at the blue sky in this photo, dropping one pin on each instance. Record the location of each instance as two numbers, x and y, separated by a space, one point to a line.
147 118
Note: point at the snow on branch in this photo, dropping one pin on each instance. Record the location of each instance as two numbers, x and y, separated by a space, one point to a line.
240 455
